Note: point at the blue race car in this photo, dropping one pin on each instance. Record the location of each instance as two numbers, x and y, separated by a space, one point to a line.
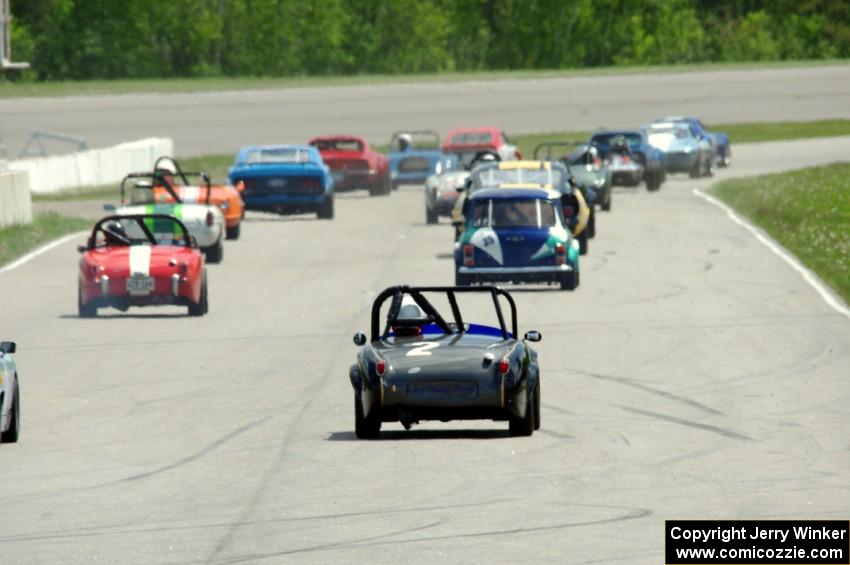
516 235
287 179
685 153
720 144
630 157
414 156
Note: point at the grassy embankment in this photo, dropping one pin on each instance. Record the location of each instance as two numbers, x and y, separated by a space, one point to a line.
19 239
807 211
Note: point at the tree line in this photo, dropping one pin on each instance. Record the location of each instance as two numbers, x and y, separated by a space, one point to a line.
109 39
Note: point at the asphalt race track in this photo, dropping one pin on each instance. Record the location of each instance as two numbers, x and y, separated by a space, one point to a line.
692 375
220 122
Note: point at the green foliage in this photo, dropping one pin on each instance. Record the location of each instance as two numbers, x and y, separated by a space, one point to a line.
807 211
87 39
18 239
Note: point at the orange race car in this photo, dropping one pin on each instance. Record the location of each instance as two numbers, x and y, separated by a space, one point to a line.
225 196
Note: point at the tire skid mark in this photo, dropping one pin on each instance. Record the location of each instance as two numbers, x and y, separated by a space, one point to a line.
629 514
658 392
689 423
126 529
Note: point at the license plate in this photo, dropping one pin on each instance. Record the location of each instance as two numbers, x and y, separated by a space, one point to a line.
140 285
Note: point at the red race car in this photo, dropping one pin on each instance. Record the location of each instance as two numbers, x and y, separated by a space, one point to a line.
466 143
354 164
141 260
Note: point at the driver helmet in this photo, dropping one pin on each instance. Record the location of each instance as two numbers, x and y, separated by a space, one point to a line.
115 234
409 321
405 142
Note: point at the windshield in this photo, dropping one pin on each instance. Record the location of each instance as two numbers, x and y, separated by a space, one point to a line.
493 176
632 139
276 155
472 138
144 230
513 213
338 145
664 136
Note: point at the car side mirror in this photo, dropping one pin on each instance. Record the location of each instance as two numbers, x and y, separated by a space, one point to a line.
359 339
109 207
81 249
7 347
533 335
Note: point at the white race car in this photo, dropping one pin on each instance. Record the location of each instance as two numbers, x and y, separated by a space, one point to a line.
10 395
204 221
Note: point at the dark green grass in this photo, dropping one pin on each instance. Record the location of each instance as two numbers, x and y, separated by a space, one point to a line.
807 211
19 239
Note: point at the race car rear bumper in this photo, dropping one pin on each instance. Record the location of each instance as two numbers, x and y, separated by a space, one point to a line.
548 273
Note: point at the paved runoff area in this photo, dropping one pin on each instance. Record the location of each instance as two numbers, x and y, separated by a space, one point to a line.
220 122
693 374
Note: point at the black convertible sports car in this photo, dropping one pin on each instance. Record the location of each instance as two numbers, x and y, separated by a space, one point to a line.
423 366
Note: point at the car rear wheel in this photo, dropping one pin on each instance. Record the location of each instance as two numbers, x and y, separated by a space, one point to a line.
11 435
84 310
583 244
695 170
365 427
523 426
591 224
326 209
537 404
202 307
215 253
606 205
431 217
233 233
569 280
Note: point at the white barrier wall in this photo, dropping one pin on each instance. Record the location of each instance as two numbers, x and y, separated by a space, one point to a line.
15 201
94 167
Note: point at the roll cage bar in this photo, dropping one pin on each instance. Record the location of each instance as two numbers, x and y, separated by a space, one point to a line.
397 293
159 177
140 220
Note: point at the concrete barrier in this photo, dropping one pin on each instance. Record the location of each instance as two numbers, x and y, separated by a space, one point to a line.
92 168
15 201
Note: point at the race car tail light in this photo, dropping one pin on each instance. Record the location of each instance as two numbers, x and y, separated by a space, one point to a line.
381 367
560 254
504 366
311 182
209 218
240 185
468 255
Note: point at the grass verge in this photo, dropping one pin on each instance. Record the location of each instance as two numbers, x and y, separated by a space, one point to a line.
807 211
203 84
19 239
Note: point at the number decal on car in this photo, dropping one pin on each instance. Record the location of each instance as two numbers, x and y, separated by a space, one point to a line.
422 349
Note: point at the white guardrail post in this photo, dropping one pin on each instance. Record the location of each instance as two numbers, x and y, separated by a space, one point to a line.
15 200
92 168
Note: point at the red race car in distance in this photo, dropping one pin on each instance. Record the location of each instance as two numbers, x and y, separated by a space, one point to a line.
466 143
354 165
141 260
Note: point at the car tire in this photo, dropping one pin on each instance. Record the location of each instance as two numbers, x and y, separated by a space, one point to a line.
695 170
709 167
388 185
326 209
234 232
85 310
591 224
215 253
583 244
523 427
537 404
462 279
202 307
431 217
11 435
377 189
606 205
569 280
365 428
